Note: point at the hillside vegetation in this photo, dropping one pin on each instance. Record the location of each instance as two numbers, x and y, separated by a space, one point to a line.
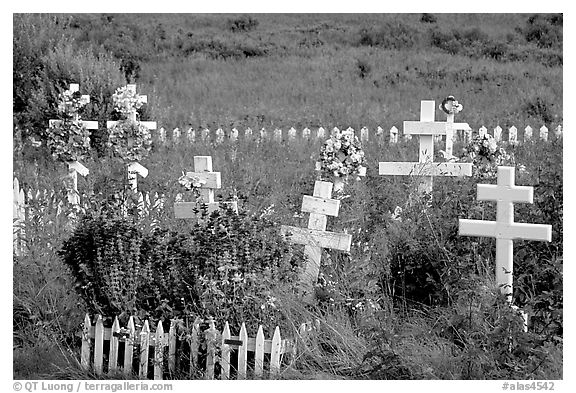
413 300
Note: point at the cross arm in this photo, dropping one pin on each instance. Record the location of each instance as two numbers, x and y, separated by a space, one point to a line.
151 125
90 125
327 206
490 192
322 239
425 169
497 230
211 179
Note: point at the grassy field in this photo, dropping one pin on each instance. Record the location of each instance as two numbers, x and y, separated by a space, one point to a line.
428 304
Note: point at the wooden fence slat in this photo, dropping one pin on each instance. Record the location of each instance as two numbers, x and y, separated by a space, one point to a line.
172 348
276 351
99 345
194 345
321 134
211 349
129 347
113 357
85 352
144 350
259 353
498 133
544 133
364 134
243 353
159 352
527 133
225 362
306 133
482 131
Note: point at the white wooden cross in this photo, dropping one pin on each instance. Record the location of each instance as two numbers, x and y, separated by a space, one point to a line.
504 229
451 127
211 181
75 167
315 237
135 168
426 128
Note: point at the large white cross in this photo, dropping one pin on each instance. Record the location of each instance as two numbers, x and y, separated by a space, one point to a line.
315 237
135 168
211 181
427 128
75 167
504 229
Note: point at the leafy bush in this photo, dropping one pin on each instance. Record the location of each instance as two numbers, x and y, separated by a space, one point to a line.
242 23
391 35
544 30
227 267
428 18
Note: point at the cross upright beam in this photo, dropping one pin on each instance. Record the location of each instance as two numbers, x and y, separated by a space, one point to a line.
504 229
426 128
315 237
211 181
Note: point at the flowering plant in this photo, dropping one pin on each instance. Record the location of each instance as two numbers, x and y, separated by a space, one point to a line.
68 138
484 152
130 140
342 156
126 100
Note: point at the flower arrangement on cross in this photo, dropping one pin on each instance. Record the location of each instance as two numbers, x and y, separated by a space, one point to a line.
68 137
130 139
341 157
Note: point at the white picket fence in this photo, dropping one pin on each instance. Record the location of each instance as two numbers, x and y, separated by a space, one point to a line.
391 136
148 202
170 348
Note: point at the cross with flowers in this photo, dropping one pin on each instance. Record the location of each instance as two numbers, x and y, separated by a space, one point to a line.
130 138
450 106
426 128
341 156
68 106
206 181
315 237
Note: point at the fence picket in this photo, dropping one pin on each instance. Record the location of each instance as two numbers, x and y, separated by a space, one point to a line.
172 348
364 134
482 131
243 353
144 350
393 135
527 133
98 345
194 345
225 362
513 135
159 351
278 135
306 133
259 353
544 133
85 352
292 134
234 135
129 347
211 349
321 133
498 133
113 357
275 352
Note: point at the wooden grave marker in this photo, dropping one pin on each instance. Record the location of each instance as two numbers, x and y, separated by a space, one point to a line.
75 167
426 128
504 229
135 168
211 181
315 237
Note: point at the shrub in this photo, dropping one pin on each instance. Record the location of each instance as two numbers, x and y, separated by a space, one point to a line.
391 35
242 23
544 31
227 267
428 18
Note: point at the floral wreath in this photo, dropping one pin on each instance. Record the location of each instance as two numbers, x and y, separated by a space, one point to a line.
190 183
129 139
68 139
484 153
450 106
342 156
